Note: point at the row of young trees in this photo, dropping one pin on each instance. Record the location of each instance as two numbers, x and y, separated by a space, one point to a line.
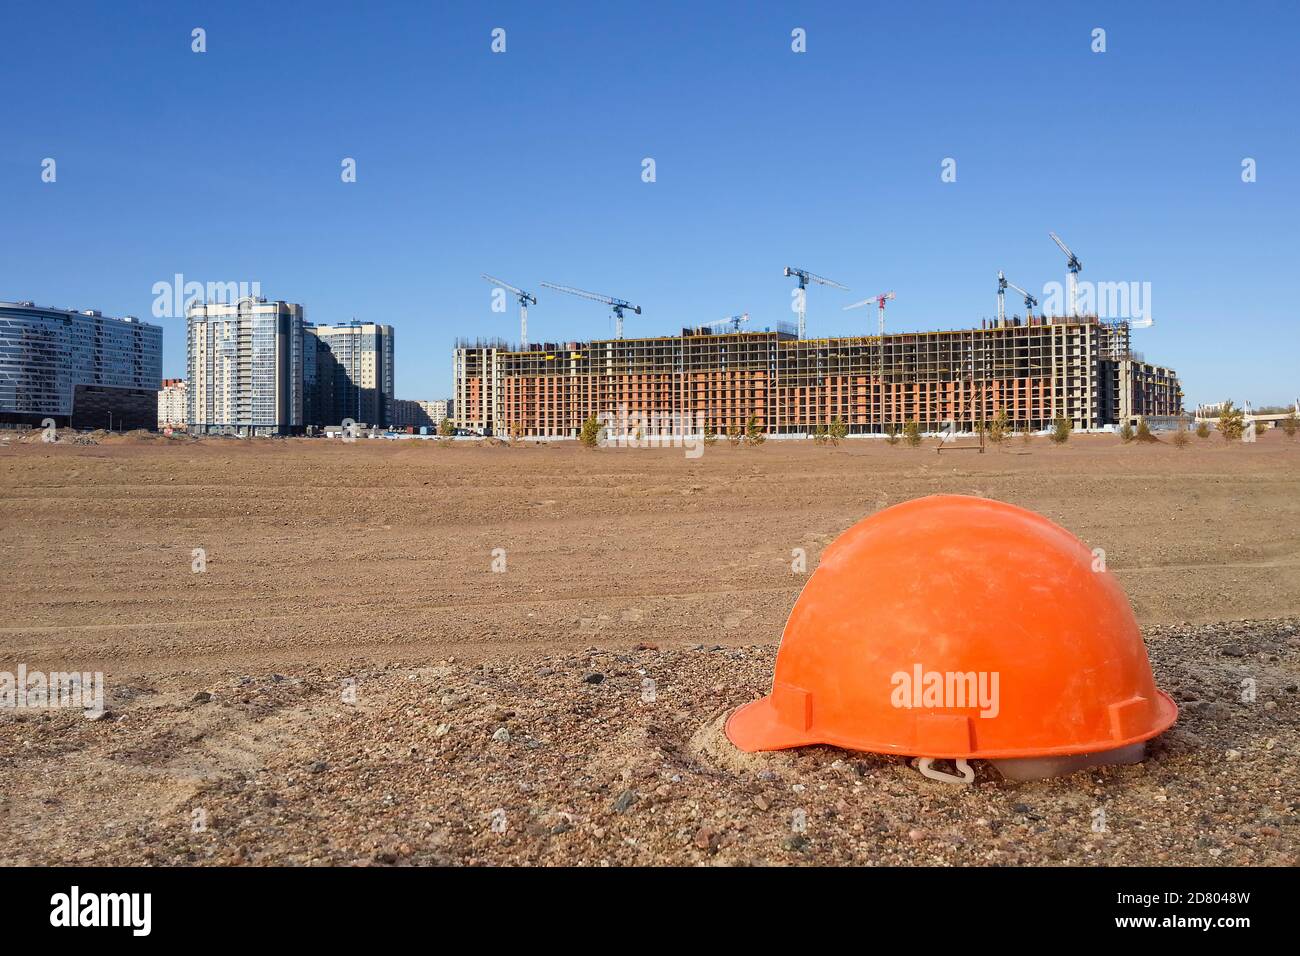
751 434
998 430
1231 426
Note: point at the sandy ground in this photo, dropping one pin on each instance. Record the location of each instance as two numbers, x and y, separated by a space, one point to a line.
350 681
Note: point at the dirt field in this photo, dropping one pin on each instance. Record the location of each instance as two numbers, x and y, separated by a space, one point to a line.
349 680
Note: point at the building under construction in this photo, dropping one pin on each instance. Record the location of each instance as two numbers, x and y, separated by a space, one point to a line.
1038 370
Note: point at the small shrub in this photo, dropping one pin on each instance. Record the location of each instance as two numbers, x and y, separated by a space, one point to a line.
999 428
754 432
912 433
1290 424
1144 431
710 436
1061 430
1203 430
734 435
891 434
445 428
838 431
590 434
820 434
1126 433
1232 423
1180 438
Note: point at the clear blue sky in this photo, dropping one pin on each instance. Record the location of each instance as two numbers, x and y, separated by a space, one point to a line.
225 166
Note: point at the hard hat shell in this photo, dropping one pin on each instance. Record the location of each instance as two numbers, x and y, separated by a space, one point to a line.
1036 653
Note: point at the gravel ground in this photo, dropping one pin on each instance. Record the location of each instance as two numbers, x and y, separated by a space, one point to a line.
564 760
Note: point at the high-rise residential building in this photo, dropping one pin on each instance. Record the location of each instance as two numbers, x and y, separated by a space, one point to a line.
1036 372
245 367
404 412
418 413
82 369
172 406
352 375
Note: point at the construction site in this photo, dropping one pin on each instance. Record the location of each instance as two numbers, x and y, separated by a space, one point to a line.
720 378
1037 370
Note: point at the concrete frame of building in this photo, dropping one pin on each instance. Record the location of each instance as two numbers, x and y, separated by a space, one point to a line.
1038 371
474 374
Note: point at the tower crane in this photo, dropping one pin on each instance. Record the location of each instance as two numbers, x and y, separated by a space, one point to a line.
1030 301
804 277
1003 284
880 301
524 299
1074 265
735 321
616 305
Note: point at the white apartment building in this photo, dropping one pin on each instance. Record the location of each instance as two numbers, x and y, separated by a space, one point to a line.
245 362
418 412
172 403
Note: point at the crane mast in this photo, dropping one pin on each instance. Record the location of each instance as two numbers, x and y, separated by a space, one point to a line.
524 299
880 301
804 277
1073 264
1003 284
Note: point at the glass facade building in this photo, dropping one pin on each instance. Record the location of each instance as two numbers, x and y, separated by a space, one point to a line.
51 357
245 367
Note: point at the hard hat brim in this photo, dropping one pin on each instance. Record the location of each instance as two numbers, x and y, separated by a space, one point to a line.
758 726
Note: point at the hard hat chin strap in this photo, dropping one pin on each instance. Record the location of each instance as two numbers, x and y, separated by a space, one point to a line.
964 775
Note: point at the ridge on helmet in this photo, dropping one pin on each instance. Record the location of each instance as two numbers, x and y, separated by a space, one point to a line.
955 627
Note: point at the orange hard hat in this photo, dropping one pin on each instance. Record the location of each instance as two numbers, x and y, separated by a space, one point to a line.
954 627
